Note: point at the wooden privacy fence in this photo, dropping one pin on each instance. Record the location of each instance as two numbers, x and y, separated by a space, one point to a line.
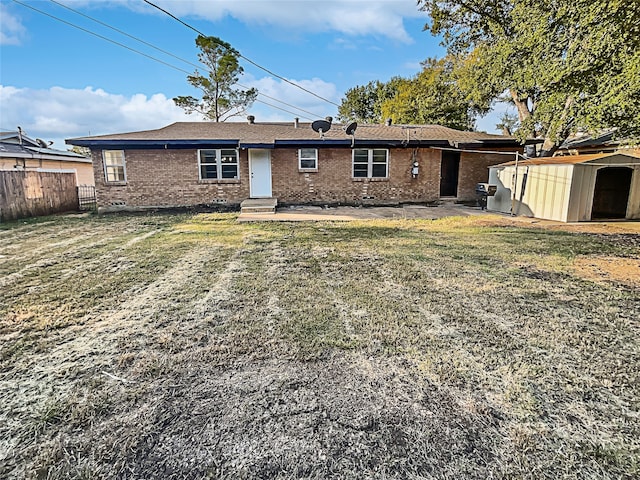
33 193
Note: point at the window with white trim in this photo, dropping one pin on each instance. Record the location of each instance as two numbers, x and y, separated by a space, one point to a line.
218 164
114 166
370 163
308 159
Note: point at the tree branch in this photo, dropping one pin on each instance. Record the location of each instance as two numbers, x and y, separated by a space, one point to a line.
494 18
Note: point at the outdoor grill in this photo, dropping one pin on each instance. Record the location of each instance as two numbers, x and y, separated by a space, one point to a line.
484 190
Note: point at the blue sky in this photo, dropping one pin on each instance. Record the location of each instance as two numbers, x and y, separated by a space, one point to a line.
59 82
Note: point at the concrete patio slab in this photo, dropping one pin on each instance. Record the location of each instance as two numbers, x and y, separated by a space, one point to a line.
313 213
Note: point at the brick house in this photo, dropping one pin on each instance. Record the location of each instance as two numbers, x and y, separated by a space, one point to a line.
206 163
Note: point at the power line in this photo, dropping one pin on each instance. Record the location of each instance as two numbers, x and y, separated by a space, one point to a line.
282 102
243 57
157 59
102 37
179 58
122 32
285 110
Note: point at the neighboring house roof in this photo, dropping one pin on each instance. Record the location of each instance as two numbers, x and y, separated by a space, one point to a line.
572 159
270 135
602 141
31 149
20 139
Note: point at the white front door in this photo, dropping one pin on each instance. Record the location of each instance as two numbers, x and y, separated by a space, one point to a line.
260 173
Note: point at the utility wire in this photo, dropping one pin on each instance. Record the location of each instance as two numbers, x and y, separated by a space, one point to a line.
157 59
243 57
122 32
101 37
175 56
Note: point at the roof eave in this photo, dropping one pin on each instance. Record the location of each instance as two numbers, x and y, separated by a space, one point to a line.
497 143
213 143
151 144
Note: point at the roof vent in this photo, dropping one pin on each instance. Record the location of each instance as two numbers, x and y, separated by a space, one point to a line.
296 122
251 119
387 122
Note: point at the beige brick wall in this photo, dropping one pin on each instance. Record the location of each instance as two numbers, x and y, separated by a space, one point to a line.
170 178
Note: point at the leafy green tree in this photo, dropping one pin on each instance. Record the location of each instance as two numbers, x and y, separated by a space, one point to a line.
85 151
566 64
432 97
364 103
508 123
220 100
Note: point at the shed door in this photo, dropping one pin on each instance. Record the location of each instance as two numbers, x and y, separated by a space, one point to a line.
449 169
611 194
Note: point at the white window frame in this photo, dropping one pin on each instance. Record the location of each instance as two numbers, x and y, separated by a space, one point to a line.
314 158
113 167
218 163
370 163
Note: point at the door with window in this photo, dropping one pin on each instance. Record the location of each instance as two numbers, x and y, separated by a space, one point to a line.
260 173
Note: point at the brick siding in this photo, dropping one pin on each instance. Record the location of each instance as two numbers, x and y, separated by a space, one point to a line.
474 168
163 178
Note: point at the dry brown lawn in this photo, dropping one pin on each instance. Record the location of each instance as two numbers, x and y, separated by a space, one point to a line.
191 346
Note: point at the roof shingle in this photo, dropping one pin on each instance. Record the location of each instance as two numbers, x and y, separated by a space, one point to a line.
269 133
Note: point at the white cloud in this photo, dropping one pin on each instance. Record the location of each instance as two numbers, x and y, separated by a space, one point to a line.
351 17
11 29
58 113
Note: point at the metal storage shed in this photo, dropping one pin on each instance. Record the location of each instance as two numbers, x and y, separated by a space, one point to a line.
569 188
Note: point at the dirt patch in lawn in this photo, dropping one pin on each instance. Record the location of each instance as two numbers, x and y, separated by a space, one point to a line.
603 269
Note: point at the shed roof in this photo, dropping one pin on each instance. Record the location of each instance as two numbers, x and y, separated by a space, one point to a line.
573 159
282 134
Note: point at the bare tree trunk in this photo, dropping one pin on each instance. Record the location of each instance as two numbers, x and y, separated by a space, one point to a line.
524 112
549 147
556 137
522 105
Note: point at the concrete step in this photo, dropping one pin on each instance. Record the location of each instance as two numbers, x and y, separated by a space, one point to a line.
259 205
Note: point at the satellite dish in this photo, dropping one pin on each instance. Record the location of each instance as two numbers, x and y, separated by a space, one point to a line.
351 128
42 143
321 126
